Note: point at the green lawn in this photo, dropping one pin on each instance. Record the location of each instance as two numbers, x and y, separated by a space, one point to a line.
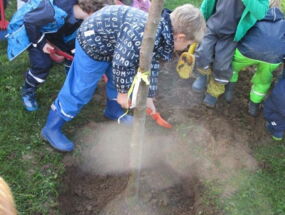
34 170
171 4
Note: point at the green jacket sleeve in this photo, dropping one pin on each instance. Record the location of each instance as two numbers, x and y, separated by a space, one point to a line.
207 8
258 8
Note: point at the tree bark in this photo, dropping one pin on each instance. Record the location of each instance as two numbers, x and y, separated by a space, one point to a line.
146 53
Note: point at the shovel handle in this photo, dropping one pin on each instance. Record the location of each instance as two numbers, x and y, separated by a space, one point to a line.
3 22
192 48
64 54
59 52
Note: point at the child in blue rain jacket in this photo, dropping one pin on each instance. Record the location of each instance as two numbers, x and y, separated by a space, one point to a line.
274 111
109 42
36 23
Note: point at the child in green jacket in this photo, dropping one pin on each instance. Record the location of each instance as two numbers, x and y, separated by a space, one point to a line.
227 23
263 47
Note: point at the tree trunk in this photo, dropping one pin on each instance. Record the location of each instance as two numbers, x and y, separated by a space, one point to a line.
146 53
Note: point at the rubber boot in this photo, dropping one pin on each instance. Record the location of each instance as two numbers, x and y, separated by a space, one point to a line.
210 101
67 65
253 108
114 111
199 85
229 92
52 133
276 135
29 98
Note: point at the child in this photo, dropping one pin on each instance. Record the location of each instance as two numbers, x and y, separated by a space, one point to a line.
151 109
264 47
31 28
227 22
274 111
140 4
7 205
113 48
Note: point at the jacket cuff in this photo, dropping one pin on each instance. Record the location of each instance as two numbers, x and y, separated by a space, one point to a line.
40 43
123 91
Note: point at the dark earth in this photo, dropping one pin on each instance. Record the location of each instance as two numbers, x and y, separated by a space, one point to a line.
205 145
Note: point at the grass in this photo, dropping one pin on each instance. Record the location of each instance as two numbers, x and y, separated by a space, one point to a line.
259 193
34 170
262 192
172 4
30 167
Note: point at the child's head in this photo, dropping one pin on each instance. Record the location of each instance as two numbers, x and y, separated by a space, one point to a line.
85 8
275 3
90 6
188 26
7 205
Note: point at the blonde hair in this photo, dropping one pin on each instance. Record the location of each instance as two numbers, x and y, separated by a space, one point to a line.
7 205
275 3
90 6
188 20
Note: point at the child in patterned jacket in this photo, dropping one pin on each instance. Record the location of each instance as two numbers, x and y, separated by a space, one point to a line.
109 42
151 108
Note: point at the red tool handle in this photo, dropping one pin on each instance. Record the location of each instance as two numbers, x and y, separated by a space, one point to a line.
68 57
64 54
3 22
60 53
2 16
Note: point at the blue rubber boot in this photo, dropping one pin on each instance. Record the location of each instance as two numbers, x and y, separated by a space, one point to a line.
51 132
210 101
199 85
29 98
113 111
229 92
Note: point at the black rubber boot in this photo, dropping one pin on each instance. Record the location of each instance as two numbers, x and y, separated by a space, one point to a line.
253 109
229 92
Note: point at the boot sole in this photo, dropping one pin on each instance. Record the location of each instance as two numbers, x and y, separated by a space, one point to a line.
209 106
228 100
31 109
198 90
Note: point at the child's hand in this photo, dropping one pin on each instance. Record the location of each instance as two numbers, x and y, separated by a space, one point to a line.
47 47
123 100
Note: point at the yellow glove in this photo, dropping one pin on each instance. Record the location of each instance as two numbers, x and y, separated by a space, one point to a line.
186 63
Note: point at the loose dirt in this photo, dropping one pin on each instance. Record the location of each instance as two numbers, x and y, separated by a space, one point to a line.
205 145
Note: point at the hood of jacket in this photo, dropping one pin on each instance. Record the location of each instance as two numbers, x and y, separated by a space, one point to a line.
274 15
